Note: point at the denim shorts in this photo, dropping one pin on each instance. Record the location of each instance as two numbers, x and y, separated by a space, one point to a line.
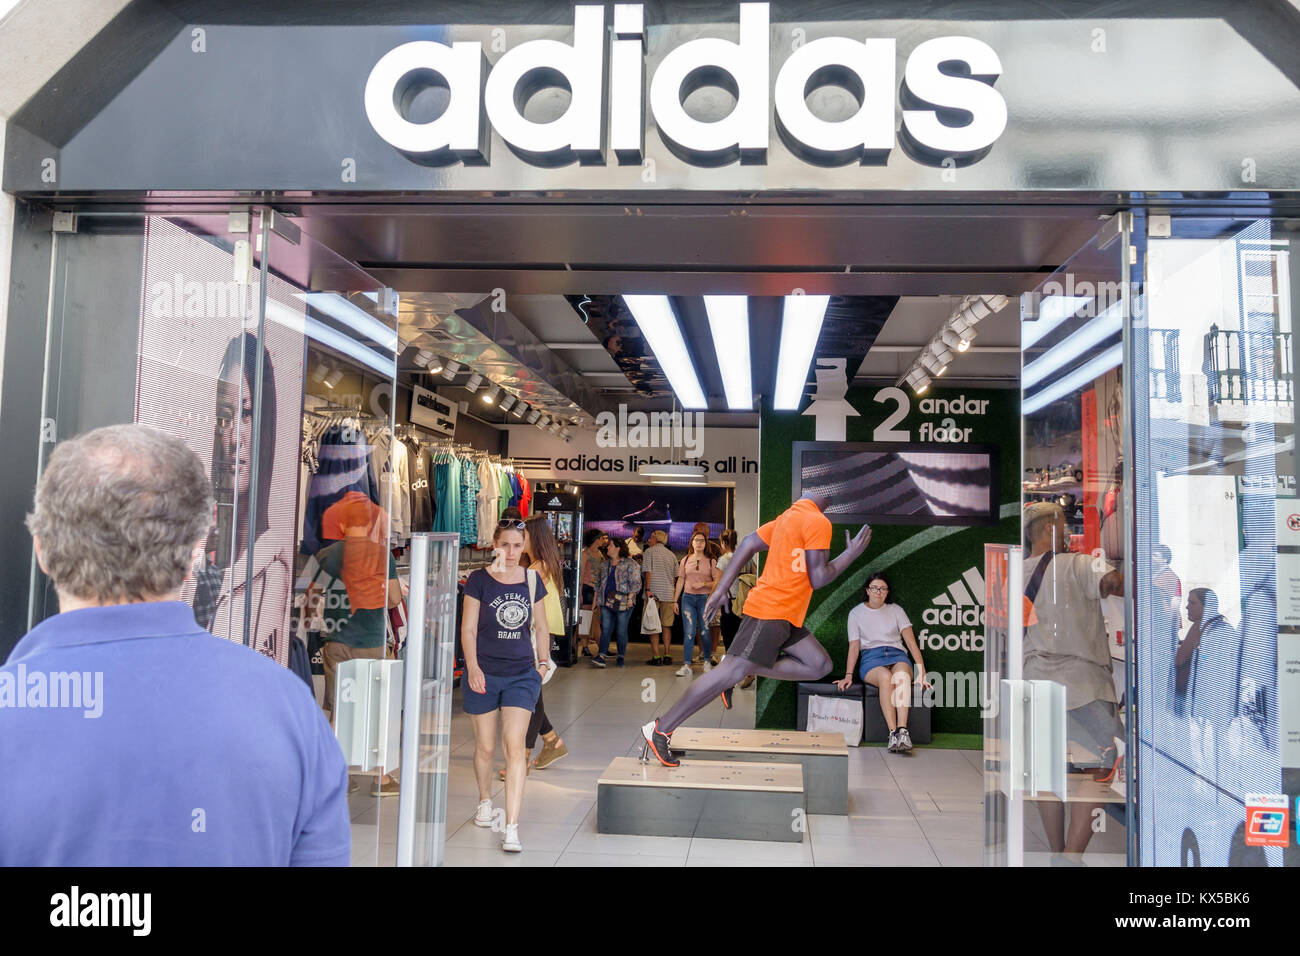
519 690
881 657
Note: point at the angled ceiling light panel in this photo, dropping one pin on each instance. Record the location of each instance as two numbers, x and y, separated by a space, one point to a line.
801 324
1052 311
357 319
1088 337
659 326
385 365
729 323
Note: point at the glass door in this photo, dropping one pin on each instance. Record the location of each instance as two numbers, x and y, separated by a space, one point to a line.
1058 726
1218 529
275 360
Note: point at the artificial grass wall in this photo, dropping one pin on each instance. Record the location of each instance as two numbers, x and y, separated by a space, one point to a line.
921 562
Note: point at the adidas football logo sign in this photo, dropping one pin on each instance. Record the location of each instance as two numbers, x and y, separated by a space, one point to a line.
960 606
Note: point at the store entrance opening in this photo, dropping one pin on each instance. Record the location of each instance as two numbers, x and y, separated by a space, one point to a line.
962 385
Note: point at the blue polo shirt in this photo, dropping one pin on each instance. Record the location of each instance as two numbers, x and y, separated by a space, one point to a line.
130 736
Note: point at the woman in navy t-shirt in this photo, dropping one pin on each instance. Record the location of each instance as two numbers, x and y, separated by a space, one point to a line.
502 679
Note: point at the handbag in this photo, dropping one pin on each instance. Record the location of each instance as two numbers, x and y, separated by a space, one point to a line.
532 628
650 623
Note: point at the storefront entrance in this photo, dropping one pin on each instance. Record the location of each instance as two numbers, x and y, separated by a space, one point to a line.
167 317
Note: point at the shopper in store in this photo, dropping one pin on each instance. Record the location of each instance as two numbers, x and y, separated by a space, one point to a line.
731 607
697 575
542 554
118 517
594 543
772 641
507 645
617 588
878 630
659 567
1066 642
713 550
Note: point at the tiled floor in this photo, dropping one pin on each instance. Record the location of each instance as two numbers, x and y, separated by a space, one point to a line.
925 809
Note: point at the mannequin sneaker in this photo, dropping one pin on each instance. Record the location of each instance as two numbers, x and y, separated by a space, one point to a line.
892 746
483 815
904 741
684 671
511 842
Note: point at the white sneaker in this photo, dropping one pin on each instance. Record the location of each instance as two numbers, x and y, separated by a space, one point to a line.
904 741
483 815
685 671
511 842
707 666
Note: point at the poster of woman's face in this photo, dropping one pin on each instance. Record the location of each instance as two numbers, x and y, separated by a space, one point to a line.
199 358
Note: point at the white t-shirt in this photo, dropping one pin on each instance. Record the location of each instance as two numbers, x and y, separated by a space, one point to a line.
878 628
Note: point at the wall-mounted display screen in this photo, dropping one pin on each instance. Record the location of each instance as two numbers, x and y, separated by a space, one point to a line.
900 483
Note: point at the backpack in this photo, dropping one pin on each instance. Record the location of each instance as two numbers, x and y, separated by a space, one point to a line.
743 583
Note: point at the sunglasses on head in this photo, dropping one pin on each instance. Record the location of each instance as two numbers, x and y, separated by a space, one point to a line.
505 524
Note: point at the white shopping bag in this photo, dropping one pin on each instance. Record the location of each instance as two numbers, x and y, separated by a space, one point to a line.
584 623
650 617
836 715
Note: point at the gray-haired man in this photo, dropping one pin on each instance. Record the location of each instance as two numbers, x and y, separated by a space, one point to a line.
129 735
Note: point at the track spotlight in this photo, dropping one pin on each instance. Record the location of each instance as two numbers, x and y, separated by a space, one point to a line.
492 394
451 370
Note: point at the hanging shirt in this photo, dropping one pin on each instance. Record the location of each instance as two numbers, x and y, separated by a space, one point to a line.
390 460
344 466
421 498
469 489
486 502
526 497
506 490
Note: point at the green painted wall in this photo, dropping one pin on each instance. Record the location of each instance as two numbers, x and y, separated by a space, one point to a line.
921 561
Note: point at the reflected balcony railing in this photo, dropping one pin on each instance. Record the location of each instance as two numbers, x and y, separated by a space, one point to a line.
1165 373
1248 367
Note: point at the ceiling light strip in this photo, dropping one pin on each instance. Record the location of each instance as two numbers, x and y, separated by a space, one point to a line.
659 326
801 325
729 323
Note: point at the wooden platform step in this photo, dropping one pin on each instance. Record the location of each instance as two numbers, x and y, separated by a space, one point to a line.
721 800
824 758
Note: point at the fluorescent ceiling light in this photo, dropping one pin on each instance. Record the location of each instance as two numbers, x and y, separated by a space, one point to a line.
801 325
729 323
1052 311
1080 377
679 481
354 317
1109 323
658 324
385 365
671 471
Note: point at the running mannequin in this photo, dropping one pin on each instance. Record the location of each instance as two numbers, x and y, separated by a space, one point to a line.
771 641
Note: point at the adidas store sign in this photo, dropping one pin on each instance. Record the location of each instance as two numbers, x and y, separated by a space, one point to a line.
961 606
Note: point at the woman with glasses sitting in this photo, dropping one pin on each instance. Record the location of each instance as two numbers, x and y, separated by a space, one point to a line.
878 628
